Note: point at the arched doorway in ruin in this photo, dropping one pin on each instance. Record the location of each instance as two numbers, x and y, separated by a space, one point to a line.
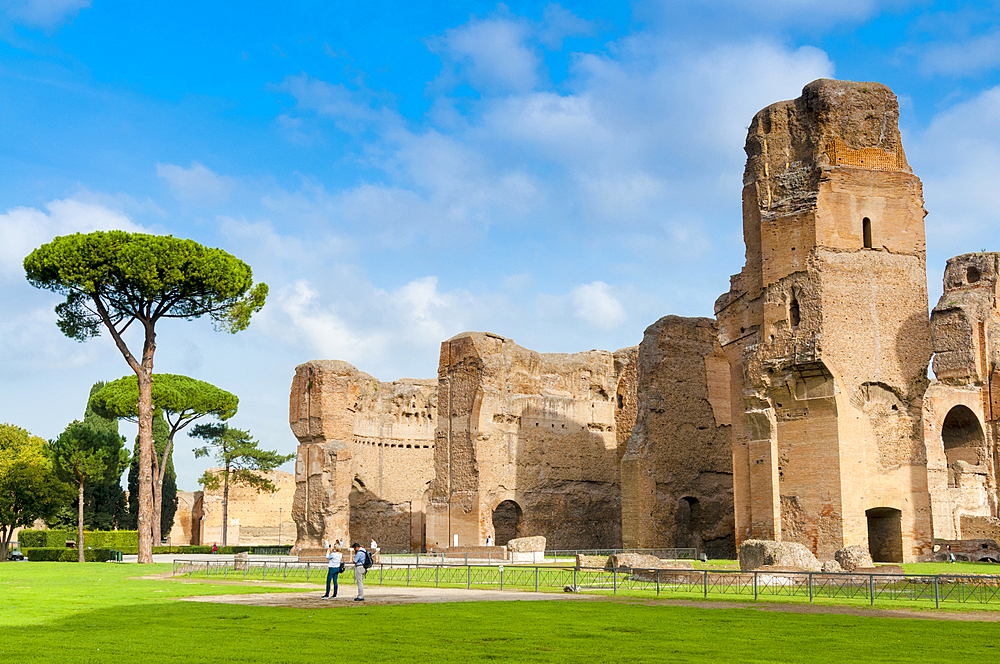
963 439
687 524
506 521
885 534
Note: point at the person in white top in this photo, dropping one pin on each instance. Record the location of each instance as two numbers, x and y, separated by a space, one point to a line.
334 558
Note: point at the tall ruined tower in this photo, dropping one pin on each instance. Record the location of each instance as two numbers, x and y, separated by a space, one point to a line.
826 329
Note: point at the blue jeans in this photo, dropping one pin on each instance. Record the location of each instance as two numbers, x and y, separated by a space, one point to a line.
332 573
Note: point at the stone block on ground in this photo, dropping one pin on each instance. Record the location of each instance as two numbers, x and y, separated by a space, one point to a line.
757 553
527 544
831 567
852 557
591 561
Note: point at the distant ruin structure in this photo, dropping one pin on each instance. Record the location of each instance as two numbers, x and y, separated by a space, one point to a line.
255 518
826 329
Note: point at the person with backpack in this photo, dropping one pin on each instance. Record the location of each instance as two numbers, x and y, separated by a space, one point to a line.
362 561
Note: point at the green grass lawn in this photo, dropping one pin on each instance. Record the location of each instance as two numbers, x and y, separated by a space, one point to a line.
62 612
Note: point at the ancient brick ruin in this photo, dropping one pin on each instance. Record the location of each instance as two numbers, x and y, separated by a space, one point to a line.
365 458
529 443
803 413
677 472
826 329
962 407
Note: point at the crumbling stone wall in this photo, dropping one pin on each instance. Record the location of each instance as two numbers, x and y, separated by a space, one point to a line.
186 521
539 430
365 458
826 329
962 406
677 472
253 517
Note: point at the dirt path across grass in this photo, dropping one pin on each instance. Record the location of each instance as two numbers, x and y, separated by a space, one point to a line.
392 595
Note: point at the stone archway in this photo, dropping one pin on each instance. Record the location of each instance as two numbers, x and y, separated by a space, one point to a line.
687 520
885 534
506 521
963 440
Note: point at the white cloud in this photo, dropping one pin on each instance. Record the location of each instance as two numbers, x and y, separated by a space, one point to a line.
492 55
197 184
958 158
558 23
43 13
23 229
966 58
595 304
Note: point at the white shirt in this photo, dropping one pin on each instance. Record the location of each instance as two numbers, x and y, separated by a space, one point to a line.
334 558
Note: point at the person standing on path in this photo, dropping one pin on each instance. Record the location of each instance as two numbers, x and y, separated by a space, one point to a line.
359 571
334 560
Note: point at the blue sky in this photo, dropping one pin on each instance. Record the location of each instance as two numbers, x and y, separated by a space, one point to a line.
397 172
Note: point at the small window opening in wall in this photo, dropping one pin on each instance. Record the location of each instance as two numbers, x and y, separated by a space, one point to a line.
972 274
866 231
621 401
794 315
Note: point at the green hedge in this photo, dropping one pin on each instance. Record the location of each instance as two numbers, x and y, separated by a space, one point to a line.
126 541
200 549
64 555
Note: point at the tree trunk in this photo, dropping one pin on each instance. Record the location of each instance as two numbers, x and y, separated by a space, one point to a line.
79 526
6 535
146 452
144 376
225 506
159 472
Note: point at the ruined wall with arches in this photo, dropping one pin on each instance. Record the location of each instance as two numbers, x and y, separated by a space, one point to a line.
962 406
532 440
365 458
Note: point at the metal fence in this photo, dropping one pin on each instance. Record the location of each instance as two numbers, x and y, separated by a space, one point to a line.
926 589
664 554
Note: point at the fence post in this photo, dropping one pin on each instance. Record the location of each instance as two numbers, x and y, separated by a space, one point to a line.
614 581
418 559
501 577
466 557
706 584
307 572
536 579
437 577
469 582
286 572
755 586
382 567
657 583
575 587
225 571
810 587
871 588
937 597
407 576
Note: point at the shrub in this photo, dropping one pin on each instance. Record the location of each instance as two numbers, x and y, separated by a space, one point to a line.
200 549
126 541
64 555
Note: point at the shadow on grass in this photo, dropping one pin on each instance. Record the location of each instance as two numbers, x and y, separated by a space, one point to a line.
471 632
